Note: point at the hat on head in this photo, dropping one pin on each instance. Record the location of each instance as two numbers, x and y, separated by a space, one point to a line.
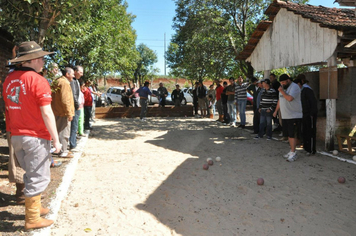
267 81
28 51
146 83
283 77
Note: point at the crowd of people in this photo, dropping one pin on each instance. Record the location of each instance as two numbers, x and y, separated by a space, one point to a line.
289 104
45 115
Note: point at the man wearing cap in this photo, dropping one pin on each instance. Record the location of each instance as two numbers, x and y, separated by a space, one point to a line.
143 92
177 96
266 108
162 94
63 108
291 111
27 97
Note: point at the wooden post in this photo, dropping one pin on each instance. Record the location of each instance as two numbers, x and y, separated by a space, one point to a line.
330 113
266 74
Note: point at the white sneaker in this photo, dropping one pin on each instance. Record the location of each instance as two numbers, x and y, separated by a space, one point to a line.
287 155
233 124
292 157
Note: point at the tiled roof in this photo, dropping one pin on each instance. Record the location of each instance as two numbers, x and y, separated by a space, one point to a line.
350 3
335 18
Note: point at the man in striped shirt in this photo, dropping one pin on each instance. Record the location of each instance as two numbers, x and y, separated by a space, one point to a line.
268 104
241 99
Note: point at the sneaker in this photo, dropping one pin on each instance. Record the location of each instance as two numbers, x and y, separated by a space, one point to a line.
66 155
74 149
233 125
269 138
257 137
287 155
292 157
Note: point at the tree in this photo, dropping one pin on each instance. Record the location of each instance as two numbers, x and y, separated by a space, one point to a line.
37 19
144 65
221 22
95 34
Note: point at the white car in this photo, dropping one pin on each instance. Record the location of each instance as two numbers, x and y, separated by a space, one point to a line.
154 100
113 95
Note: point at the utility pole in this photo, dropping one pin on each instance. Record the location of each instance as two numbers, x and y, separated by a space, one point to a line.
164 54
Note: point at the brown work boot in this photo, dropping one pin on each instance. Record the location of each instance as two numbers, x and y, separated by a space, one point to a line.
33 219
44 211
20 197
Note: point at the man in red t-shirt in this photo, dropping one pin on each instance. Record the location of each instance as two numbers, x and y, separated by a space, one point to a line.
30 118
219 89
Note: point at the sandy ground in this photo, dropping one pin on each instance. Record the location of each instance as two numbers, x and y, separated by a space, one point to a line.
146 178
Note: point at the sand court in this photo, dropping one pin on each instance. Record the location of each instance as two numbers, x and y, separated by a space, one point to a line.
146 178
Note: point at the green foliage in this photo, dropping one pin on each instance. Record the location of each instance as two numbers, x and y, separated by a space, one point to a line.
144 66
210 34
95 34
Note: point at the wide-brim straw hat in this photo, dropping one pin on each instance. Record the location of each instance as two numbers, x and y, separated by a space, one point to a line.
28 51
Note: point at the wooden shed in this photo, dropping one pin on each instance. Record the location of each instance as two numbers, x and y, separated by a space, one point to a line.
298 34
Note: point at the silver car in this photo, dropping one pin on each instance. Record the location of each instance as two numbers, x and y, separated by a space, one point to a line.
113 95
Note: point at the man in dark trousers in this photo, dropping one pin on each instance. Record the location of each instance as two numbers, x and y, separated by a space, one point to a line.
254 89
310 113
125 97
224 98
195 99
177 96
162 94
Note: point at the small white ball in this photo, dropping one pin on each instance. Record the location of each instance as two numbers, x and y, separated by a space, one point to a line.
335 152
209 159
218 158
354 158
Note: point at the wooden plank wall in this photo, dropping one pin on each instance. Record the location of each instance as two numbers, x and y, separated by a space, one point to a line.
131 112
292 40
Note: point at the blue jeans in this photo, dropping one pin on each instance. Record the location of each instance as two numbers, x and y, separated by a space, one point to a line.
265 120
231 109
242 111
73 130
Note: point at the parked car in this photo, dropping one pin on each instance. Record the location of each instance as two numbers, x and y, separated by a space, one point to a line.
113 95
154 100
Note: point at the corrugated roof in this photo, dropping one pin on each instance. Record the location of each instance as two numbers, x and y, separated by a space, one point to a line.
333 18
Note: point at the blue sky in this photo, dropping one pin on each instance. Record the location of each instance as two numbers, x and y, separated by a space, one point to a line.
154 19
